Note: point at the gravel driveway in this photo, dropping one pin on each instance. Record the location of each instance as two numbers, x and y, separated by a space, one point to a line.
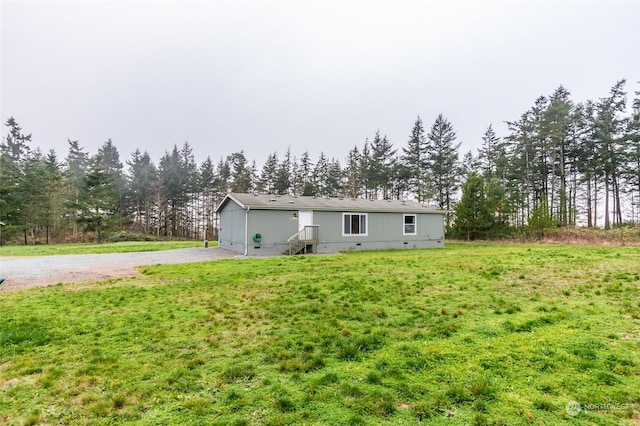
37 271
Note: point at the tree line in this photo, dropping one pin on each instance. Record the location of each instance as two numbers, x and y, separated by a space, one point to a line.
561 164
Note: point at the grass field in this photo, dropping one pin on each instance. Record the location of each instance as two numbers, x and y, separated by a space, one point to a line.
470 334
122 247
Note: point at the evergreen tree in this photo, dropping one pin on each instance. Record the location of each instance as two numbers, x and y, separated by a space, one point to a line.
400 179
555 126
414 162
633 155
76 164
367 172
321 176
15 155
540 220
33 197
174 191
353 183
297 180
188 213
470 164
253 169
189 168
241 176
109 159
492 155
142 190
15 146
609 130
207 178
223 179
16 161
442 160
98 200
8 202
473 218
499 208
381 166
55 191
334 179
586 155
521 175
306 174
267 182
283 175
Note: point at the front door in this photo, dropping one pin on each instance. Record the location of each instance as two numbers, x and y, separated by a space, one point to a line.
305 218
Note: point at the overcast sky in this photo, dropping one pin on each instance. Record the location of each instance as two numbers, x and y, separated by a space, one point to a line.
311 75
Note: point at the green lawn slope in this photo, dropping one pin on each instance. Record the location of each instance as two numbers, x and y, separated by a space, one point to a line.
470 334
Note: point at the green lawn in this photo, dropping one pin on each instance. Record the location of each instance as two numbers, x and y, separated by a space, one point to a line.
122 247
470 334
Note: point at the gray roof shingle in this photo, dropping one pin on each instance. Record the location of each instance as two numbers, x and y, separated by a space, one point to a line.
287 202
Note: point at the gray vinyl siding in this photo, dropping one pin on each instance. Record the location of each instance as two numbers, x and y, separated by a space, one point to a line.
231 235
430 226
384 231
275 226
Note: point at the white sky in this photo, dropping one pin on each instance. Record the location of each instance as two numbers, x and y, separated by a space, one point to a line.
313 75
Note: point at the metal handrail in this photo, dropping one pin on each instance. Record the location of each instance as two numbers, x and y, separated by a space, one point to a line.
301 239
296 235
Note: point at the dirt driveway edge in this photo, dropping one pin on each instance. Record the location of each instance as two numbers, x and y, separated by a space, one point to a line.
38 271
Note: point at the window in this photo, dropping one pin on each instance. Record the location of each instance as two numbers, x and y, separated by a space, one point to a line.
409 225
354 224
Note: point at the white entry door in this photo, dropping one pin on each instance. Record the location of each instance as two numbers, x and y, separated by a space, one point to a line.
305 218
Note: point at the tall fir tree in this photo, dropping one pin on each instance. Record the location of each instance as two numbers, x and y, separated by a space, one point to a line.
492 155
15 146
283 175
609 130
15 152
56 190
414 162
109 159
381 164
632 174
352 174
241 175
142 191
321 176
442 161
555 126
267 182
223 178
98 200
206 189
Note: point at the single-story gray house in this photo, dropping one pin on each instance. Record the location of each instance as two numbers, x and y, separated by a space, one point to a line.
258 224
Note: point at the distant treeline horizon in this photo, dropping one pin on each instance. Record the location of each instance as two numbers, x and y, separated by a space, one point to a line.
560 164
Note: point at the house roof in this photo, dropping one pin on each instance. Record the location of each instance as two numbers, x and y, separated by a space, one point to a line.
288 202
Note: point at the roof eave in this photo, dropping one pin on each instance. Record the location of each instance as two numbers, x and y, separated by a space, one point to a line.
226 199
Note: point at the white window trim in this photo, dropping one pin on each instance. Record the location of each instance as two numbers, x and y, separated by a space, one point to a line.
366 230
415 224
